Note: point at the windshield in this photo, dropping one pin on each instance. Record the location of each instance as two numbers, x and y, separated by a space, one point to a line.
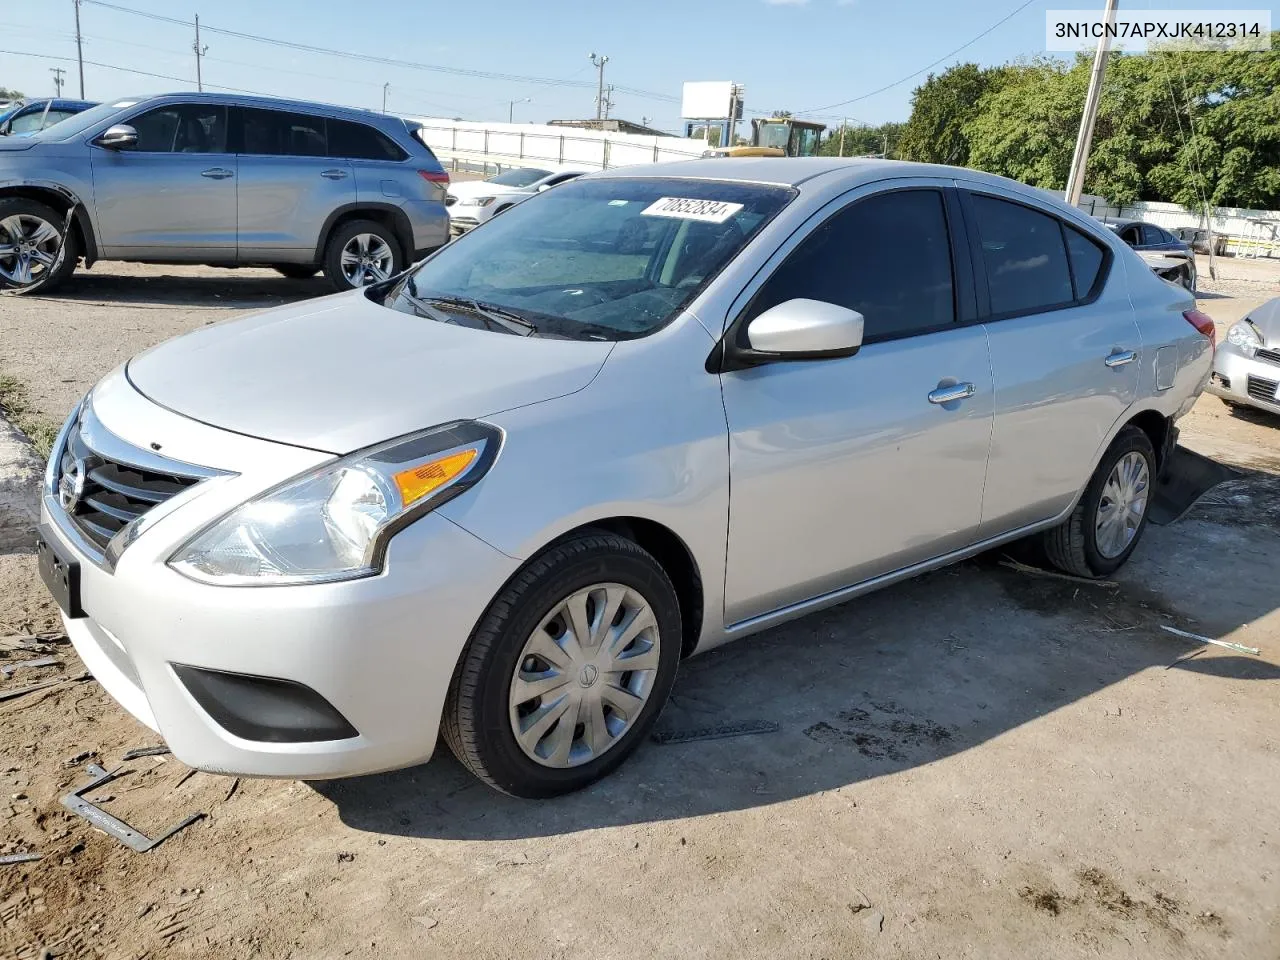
608 259
520 177
82 121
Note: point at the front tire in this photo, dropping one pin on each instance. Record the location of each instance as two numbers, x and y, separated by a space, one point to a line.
567 670
361 252
35 256
1107 523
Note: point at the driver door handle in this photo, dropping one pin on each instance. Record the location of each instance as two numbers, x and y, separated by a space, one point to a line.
1120 357
334 174
217 173
956 391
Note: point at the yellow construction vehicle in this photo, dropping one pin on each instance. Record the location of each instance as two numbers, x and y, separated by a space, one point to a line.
777 137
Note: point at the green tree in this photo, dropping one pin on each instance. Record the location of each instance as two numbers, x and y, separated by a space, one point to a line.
941 109
862 141
7 94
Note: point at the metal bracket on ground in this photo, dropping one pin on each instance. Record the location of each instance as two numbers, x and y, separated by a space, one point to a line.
715 733
113 826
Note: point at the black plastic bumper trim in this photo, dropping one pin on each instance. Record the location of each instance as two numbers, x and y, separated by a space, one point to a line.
264 709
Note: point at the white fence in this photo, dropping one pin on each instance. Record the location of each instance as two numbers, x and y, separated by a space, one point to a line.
469 145
1248 233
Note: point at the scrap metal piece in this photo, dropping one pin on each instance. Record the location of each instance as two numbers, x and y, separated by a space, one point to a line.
9 669
32 688
113 826
1239 647
715 733
137 752
20 858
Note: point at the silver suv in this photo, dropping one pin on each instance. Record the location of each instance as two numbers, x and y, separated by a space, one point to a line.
220 180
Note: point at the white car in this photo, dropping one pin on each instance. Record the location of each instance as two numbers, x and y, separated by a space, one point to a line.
472 202
500 496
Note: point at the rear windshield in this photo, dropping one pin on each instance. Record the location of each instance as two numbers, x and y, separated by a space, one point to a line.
608 259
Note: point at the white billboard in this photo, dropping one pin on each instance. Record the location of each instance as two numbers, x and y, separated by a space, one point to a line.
708 100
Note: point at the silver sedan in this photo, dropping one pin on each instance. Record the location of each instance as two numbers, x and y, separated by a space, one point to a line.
1246 370
502 495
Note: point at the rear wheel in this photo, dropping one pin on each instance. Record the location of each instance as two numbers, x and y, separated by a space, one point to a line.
34 254
567 670
296 271
361 252
1107 523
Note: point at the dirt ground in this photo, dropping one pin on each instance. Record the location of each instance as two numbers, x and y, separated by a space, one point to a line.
977 763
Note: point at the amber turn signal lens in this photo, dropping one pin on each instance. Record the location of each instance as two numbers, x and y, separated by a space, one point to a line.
416 482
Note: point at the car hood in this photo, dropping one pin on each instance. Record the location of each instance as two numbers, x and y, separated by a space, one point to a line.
342 373
482 188
1267 319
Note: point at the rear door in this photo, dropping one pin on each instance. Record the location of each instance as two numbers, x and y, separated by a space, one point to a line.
1065 352
288 184
845 469
375 160
173 195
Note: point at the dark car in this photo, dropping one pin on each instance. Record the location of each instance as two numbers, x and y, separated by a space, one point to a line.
1148 238
28 116
1198 239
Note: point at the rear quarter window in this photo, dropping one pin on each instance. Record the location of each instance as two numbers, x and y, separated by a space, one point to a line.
356 141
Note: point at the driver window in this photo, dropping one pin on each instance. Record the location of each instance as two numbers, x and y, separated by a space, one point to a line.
182 128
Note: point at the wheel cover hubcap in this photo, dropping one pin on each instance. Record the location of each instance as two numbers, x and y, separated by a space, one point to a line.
366 259
28 248
584 675
1123 505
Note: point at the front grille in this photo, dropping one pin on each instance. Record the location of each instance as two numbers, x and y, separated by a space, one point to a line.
1260 388
101 495
1269 356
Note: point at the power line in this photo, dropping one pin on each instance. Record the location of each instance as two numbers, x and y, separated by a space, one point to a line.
910 76
372 58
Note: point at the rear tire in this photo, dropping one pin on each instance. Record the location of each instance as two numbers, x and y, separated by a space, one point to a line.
361 252
296 271
35 256
1089 544
491 713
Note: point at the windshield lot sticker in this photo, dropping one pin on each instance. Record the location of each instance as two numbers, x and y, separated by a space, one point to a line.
708 211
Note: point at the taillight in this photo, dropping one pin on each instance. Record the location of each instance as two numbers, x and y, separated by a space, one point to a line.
435 176
1202 322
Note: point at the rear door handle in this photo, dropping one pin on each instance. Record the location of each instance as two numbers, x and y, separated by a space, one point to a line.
957 391
1120 357
217 173
334 174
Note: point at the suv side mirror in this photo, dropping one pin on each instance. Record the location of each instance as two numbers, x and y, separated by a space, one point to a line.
545 186
118 137
797 329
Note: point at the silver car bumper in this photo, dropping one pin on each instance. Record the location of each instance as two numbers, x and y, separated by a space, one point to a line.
1246 376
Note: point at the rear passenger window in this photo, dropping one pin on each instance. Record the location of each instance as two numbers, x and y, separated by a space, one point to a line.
355 141
888 257
1024 256
280 134
1086 261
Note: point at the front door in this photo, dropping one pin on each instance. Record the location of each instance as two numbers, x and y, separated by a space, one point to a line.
173 195
1065 352
843 470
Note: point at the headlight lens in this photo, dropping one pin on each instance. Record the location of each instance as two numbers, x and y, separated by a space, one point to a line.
476 202
333 523
1242 334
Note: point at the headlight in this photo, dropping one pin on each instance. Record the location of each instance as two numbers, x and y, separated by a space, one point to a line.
1242 334
476 202
333 523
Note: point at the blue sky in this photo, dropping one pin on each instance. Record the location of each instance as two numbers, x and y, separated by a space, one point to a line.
791 54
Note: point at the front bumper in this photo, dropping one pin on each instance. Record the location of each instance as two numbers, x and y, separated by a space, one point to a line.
1239 376
380 651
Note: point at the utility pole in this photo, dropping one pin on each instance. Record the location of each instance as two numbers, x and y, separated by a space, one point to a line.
386 88
844 122
79 48
511 108
1080 159
598 62
200 52
608 100
57 79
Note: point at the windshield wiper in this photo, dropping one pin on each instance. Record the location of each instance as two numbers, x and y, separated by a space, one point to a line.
507 319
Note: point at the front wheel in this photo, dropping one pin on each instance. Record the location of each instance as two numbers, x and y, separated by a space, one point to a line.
1107 523
567 670
35 256
361 252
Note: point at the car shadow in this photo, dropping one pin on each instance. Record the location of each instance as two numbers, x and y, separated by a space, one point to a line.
177 286
901 678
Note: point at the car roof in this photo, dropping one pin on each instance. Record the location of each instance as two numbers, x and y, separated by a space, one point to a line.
269 103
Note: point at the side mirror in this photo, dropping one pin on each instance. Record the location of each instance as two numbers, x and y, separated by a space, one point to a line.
545 186
118 137
795 330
